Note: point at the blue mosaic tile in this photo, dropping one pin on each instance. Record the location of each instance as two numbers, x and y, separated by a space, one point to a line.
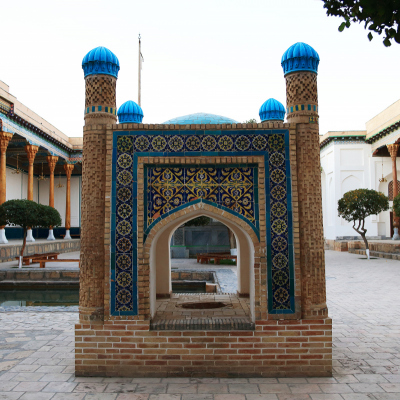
234 188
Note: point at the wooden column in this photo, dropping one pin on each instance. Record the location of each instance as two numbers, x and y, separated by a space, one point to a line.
31 151
393 148
51 161
5 138
68 171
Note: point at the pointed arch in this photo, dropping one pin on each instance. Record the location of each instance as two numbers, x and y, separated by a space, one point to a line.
159 237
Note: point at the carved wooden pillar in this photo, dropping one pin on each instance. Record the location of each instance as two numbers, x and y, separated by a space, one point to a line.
393 154
52 161
31 151
5 138
68 170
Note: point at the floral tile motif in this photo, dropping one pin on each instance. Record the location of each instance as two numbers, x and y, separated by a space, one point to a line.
125 279
170 187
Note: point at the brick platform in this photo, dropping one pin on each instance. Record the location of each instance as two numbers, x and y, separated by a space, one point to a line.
274 348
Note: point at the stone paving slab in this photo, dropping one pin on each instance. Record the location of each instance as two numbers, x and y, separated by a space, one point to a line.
37 350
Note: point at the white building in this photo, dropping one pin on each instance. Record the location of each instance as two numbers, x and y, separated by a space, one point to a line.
359 159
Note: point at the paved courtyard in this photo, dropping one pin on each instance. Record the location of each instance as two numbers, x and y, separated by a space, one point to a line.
37 354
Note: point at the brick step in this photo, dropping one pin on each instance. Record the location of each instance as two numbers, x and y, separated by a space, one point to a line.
208 324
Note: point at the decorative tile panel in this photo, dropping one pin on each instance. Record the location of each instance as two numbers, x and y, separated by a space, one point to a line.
125 294
171 187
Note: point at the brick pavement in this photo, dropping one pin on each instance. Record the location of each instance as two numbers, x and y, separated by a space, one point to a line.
36 351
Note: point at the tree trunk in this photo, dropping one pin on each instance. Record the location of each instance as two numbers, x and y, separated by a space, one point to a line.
23 248
366 244
362 231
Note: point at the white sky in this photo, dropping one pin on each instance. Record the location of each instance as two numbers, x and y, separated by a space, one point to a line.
216 56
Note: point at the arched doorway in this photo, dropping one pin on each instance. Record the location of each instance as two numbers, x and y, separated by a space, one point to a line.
160 263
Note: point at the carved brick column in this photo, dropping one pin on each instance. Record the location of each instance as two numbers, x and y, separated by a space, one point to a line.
302 103
68 170
51 161
5 138
100 101
393 148
31 151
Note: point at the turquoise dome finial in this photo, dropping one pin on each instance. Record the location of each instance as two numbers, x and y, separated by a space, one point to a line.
130 112
100 61
272 110
300 57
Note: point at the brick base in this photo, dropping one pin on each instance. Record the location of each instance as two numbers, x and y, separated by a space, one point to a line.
273 349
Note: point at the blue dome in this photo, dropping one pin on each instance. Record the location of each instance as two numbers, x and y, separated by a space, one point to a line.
100 61
300 57
200 118
272 110
130 112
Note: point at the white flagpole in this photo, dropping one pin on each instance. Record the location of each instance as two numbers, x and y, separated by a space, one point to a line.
140 78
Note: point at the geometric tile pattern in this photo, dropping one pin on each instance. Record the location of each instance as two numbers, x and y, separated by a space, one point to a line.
169 188
177 143
279 228
125 279
229 186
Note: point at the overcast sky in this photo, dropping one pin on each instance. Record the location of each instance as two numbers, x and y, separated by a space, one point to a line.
216 56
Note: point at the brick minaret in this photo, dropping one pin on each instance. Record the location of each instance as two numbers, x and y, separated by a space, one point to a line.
300 66
101 68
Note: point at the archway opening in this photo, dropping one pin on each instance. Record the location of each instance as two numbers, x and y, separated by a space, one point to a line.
165 305
204 257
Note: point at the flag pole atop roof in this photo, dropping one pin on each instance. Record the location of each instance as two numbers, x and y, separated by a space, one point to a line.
141 60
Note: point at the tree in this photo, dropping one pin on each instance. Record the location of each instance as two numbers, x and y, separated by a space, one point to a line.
28 214
250 121
356 205
396 205
378 16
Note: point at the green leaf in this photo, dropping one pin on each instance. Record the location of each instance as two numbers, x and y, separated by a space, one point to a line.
342 26
386 42
370 37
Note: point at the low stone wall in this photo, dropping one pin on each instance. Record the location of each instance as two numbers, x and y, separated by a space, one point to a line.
39 280
273 349
38 275
192 275
331 244
8 252
376 249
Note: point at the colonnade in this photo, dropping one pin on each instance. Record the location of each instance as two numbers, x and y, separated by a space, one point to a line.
31 151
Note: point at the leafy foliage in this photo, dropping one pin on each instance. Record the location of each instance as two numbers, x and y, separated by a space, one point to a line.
380 16
356 205
396 205
3 220
250 121
28 214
